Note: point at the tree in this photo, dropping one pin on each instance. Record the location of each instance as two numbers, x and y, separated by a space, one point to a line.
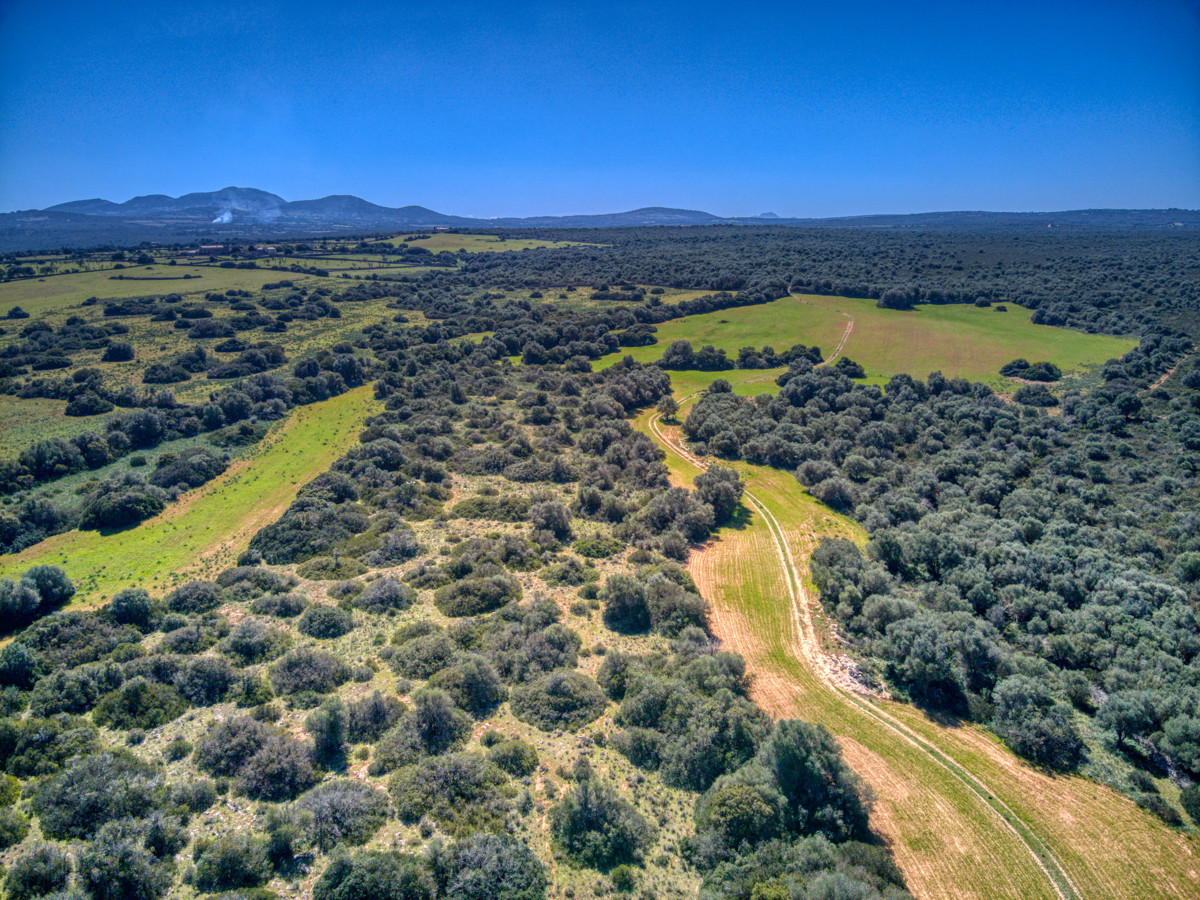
597 827
1036 727
328 727
721 488
667 407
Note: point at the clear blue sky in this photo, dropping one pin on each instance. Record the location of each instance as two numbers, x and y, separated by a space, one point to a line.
512 108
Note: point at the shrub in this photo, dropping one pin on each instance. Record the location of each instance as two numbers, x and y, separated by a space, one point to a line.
232 861
423 656
454 790
384 595
306 669
122 870
434 725
281 770
473 596
343 811
374 876
132 606
515 757
283 606
140 704
324 622
42 746
1036 727
230 744
598 546
121 502
13 827
194 597
189 469
253 641
491 867
472 684
327 726
42 870
118 351
195 795
96 789
565 699
597 827
204 680
74 690
19 666
370 717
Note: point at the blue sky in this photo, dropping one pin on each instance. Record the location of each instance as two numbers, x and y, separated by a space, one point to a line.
806 109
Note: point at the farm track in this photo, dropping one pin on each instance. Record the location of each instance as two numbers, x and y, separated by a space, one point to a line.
837 351
807 646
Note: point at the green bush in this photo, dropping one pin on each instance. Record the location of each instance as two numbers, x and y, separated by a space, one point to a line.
324 622
460 791
598 546
562 699
13 827
384 595
232 861
374 876
140 704
515 757
97 789
474 596
422 656
472 684
491 867
41 870
343 811
599 828
307 669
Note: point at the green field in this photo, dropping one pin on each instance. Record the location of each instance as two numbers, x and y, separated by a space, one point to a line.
478 243
959 811
206 529
22 422
959 340
59 292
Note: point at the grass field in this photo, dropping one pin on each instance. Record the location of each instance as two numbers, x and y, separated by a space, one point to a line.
206 529
60 292
22 422
948 832
478 243
960 341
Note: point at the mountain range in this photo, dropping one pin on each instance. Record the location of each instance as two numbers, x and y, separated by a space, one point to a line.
249 213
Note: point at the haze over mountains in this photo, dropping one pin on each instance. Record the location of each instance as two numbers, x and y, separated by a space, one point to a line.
235 212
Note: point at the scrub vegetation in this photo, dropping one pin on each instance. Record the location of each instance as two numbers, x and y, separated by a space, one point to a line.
397 568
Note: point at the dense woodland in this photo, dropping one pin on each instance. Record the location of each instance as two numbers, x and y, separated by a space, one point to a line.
494 573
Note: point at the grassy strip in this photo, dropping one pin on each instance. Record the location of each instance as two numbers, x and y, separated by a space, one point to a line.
207 528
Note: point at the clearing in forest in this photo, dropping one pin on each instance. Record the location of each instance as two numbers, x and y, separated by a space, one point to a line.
964 816
478 243
204 531
959 340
